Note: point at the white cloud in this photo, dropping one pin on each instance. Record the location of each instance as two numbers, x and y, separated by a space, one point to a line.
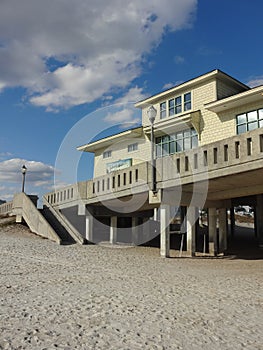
37 172
179 59
126 115
255 81
168 86
73 52
133 95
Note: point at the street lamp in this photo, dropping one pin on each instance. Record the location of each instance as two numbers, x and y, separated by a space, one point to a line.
152 112
23 171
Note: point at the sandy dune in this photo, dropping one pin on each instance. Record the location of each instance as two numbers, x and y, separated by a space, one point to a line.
92 297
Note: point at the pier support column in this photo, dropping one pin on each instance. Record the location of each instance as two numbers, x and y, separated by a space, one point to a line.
222 216
191 217
232 221
212 217
259 218
113 229
165 231
135 231
89 226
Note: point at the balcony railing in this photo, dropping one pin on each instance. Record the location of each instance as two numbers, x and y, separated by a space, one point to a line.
214 159
6 208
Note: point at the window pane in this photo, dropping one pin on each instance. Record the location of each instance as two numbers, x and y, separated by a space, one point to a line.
178 100
171 103
158 151
252 126
187 101
187 143
163 114
166 138
165 148
187 133
178 109
179 135
260 123
187 106
179 145
172 147
163 106
187 97
163 110
241 128
252 116
242 118
260 114
194 141
193 132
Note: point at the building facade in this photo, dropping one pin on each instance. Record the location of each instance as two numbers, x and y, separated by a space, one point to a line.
208 154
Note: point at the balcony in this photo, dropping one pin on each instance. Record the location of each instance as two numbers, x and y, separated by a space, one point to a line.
232 167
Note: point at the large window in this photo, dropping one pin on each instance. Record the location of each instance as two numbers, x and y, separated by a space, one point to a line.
177 142
249 121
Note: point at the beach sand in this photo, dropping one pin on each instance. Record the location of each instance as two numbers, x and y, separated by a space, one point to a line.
93 297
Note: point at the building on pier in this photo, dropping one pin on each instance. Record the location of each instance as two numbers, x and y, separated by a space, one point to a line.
208 158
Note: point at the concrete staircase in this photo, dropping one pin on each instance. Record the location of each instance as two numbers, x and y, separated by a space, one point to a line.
46 222
57 226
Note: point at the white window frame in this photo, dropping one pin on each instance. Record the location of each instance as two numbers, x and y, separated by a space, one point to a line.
133 147
107 154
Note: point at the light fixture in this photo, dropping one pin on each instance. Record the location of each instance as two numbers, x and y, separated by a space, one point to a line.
23 171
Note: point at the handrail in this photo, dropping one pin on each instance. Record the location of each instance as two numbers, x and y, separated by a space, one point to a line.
6 208
73 232
24 208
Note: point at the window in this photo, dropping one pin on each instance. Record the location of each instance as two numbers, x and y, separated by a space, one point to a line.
249 121
171 107
178 142
106 154
162 110
133 147
179 104
187 101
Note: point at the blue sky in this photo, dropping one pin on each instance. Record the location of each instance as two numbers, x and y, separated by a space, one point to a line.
69 70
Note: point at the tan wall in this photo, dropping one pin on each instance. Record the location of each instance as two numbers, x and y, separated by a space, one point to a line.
120 151
201 94
225 122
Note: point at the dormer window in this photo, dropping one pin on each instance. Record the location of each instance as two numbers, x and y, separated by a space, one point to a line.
180 104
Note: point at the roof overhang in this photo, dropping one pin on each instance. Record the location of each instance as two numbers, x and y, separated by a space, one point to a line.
107 141
170 125
246 97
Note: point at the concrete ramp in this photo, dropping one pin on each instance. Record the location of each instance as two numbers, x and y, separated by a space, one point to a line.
25 208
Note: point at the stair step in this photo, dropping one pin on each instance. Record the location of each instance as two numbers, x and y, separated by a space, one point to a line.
57 226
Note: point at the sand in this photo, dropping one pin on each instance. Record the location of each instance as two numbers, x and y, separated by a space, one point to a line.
93 297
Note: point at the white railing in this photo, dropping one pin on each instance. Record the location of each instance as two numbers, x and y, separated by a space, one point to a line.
6 208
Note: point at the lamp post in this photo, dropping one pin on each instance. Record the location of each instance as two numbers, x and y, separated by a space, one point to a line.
23 171
152 112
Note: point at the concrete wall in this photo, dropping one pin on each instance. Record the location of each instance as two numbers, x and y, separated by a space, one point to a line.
24 208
